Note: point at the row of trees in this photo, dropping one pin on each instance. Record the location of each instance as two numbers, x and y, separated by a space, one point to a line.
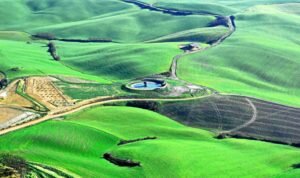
50 36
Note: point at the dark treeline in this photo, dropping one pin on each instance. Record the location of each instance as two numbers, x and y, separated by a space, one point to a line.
124 142
120 162
149 105
49 36
171 11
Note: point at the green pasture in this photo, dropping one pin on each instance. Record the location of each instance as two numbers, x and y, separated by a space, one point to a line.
261 59
78 142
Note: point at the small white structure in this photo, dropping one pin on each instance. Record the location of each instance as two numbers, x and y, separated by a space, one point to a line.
3 95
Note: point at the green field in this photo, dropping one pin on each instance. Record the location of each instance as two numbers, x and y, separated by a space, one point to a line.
260 59
33 59
111 19
119 61
78 142
220 7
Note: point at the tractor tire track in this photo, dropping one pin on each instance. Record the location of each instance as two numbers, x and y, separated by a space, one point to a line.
252 120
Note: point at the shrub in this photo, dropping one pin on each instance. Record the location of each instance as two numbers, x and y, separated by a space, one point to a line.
15 162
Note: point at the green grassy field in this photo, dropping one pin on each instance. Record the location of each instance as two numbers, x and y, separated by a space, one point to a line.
220 7
78 142
33 59
94 61
111 19
119 61
260 59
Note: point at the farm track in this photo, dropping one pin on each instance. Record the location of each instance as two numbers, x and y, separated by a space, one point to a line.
88 104
177 12
173 68
268 121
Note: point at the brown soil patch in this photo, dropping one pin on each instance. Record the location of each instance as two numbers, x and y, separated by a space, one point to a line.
13 98
8 113
44 91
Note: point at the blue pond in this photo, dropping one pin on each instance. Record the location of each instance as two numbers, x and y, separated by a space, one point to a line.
147 85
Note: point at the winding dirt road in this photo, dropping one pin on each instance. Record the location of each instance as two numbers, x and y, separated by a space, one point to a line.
231 27
88 104
103 100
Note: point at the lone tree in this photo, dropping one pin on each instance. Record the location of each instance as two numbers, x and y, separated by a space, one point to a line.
52 51
3 83
52 47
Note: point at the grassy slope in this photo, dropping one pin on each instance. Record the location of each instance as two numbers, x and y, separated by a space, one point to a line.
119 61
110 19
260 59
102 62
33 59
77 143
214 6
105 19
204 35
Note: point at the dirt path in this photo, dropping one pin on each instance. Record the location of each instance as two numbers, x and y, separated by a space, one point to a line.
88 104
231 27
253 119
173 71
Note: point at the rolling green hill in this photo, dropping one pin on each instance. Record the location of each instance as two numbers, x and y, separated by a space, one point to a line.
119 61
78 142
111 19
260 59
19 59
220 7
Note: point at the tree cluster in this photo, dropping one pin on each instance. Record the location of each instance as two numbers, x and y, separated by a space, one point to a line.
11 163
52 51
149 105
3 83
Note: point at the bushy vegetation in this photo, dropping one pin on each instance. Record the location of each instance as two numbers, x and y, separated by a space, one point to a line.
15 165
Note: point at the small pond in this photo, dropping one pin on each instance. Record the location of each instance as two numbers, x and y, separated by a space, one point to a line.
150 84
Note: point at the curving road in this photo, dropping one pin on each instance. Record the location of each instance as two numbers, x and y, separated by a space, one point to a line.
231 27
88 104
104 100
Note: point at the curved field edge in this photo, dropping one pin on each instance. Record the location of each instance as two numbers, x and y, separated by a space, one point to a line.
77 143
